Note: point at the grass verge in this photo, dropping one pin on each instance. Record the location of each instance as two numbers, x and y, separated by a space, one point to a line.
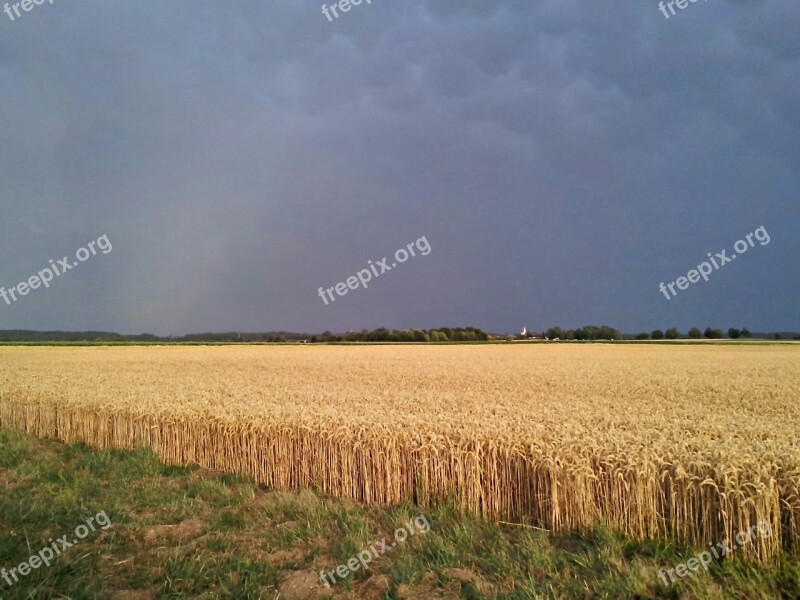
185 532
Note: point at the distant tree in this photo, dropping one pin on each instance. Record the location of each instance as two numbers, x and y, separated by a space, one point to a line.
462 335
695 333
593 332
438 336
381 334
419 335
746 332
657 334
554 332
400 336
642 336
672 333
608 333
778 336
734 333
713 334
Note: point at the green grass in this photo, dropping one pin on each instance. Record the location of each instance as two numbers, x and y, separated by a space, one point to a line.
185 532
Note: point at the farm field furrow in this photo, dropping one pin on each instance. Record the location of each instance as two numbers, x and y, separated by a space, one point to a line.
699 442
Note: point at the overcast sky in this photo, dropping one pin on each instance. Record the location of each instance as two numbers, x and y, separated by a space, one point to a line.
562 159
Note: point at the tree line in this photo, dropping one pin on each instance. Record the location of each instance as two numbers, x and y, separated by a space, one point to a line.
604 332
589 332
694 333
382 334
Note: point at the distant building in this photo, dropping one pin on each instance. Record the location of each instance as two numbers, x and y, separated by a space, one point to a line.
529 335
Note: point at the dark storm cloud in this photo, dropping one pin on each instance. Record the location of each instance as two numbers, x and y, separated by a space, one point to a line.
562 158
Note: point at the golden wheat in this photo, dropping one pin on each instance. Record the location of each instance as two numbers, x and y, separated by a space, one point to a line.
696 442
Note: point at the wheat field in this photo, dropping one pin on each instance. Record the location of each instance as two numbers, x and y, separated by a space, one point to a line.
697 442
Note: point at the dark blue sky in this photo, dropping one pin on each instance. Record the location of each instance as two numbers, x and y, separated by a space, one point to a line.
562 159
